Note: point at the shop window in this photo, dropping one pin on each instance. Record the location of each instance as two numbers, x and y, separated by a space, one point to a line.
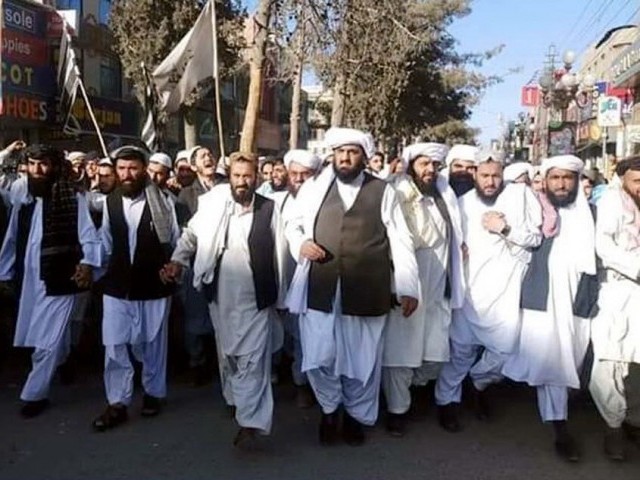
110 78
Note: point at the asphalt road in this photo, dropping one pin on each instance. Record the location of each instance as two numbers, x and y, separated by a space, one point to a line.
192 440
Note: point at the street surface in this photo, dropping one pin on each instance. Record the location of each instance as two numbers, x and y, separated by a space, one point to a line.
192 438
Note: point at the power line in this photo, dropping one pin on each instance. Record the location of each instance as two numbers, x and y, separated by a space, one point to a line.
593 21
611 20
575 24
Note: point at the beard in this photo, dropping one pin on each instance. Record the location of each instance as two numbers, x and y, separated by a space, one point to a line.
39 187
281 187
562 202
348 176
243 197
461 183
132 189
426 188
489 199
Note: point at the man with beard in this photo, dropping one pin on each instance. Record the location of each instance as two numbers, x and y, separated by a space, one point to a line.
557 298
415 348
197 322
107 181
500 223
50 249
159 170
348 230
139 229
615 333
301 166
239 253
461 167
278 181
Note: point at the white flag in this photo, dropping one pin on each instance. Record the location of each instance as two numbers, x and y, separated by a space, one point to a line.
191 59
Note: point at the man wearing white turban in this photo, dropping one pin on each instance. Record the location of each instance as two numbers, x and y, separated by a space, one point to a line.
615 333
461 166
500 223
301 165
558 294
416 347
347 230
519 172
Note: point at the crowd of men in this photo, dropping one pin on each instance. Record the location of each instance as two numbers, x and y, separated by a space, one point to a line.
377 279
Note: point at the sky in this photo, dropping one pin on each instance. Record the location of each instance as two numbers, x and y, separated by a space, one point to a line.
527 28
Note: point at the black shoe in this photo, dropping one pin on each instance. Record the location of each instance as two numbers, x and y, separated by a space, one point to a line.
32 409
329 428
614 445
244 438
151 406
448 418
113 416
396 424
565 444
481 405
352 431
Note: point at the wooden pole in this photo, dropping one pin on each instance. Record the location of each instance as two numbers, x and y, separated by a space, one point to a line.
216 78
93 117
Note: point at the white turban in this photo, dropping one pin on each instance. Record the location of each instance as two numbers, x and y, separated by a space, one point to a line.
337 137
182 155
162 159
105 161
304 158
465 153
516 170
435 151
564 162
488 154
76 156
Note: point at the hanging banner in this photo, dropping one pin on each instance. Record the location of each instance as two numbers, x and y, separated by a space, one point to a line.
562 139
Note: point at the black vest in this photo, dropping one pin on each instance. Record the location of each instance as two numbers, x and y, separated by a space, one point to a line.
358 254
59 282
261 256
138 280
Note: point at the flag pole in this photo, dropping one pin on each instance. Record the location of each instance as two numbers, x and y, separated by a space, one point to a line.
93 117
216 77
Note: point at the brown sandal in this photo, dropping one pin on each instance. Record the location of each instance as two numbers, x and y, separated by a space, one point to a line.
113 416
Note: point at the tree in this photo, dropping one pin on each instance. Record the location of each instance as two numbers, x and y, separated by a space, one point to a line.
256 59
394 69
147 30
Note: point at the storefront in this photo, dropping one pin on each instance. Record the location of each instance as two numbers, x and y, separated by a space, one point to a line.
625 73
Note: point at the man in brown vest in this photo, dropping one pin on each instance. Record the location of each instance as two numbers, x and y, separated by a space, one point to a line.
351 240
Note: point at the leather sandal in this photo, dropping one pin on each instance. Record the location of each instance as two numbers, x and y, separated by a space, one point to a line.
113 416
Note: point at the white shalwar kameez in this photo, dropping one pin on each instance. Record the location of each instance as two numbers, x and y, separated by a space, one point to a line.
140 324
43 320
553 343
342 354
245 334
415 348
615 332
495 268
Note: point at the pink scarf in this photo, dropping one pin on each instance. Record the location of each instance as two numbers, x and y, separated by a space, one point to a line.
550 225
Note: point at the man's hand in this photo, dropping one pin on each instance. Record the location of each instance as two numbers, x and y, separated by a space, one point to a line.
171 272
83 276
15 146
173 184
494 222
408 305
312 251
